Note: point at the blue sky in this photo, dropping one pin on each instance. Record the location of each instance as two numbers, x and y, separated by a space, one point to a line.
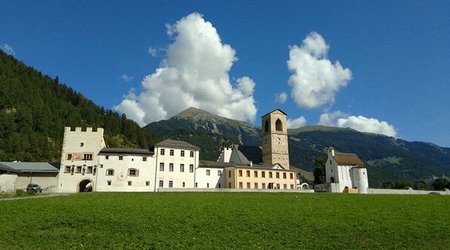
376 66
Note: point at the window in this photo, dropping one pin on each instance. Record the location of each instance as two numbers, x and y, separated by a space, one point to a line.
248 185
240 173
170 184
264 186
191 168
263 174
78 169
278 175
147 183
89 170
181 168
284 186
284 175
229 173
170 167
87 157
171 152
161 166
144 158
219 172
270 174
240 185
120 158
182 153
208 172
81 144
129 183
184 184
196 184
161 151
67 169
291 176
256 185
229 184
330 162
207 185
133 172
292 186
161 183
255 173
108 183
279 125
106 157
69 156
248 173
191 154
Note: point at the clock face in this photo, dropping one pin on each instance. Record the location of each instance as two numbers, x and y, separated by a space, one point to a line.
279 139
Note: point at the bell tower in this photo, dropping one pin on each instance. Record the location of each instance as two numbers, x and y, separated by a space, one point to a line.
275 139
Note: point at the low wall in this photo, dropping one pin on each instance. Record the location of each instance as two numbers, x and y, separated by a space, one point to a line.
8 182
404 191
232 190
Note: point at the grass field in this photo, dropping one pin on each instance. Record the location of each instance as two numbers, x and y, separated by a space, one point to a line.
226 220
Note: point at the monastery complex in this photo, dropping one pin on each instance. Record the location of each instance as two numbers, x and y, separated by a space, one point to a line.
87 164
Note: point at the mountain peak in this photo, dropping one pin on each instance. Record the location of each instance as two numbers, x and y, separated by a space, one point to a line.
192 112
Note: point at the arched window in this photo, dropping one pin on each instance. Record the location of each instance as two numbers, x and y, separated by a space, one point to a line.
266 126
279 125
110 172
133 172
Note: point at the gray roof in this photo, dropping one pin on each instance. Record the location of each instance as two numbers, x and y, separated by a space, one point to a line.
28 167
139 151
176 144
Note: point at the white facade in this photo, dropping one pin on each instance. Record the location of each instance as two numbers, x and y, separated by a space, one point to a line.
210 177
345 172
79 158
126 170
176 164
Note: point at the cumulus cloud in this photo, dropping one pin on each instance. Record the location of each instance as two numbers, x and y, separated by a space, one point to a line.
296 123
126 78
8 49
315 79
281 98
194 73
360 123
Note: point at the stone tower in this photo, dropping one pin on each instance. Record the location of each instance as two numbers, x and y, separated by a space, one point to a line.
275 139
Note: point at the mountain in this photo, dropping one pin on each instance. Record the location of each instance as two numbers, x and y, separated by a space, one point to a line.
387 158
34 108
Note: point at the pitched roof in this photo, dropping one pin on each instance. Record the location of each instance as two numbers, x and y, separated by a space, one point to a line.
176 144
28 167
348 159
274 111
252 153
139 151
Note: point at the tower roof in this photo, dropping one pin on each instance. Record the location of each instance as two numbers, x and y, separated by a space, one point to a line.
274 111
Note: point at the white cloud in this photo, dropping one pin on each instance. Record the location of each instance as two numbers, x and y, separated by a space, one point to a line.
315 79
155 51
360 123
281 98
296 123
195 72
8 49
126 78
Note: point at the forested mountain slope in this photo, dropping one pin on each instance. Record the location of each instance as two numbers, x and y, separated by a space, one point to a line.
34 109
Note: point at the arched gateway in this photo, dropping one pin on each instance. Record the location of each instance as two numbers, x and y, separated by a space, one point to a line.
85 185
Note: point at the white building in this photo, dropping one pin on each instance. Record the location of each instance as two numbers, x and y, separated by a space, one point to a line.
176 163
345 173
79 159
126 170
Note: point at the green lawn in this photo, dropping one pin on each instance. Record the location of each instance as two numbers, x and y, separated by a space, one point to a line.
226 220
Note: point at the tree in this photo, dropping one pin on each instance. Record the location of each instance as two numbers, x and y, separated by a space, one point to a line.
319 170
441 183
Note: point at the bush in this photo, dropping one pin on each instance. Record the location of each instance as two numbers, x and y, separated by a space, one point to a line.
20 192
